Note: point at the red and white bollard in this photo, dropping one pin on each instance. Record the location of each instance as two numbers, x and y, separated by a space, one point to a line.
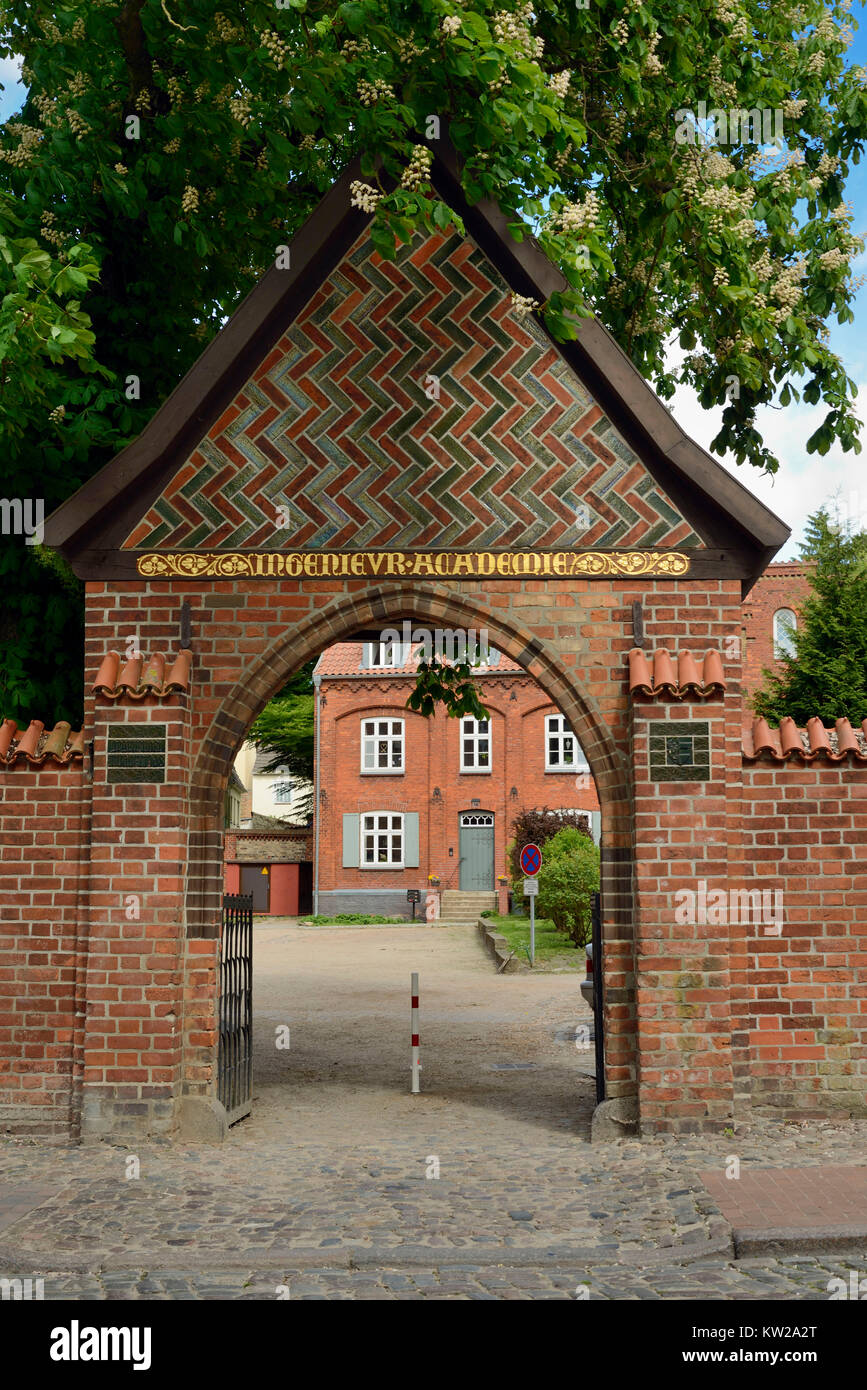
416 1064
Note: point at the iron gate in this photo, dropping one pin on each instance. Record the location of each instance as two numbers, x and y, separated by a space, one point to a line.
598 982
235 1053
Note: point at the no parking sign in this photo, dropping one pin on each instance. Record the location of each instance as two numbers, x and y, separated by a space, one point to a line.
531 860
531 863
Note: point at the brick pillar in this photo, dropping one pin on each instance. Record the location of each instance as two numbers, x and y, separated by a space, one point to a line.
133 992
684 787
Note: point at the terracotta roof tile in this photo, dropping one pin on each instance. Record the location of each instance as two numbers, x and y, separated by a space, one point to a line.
344 659
141 677
813 742
657 674
37 744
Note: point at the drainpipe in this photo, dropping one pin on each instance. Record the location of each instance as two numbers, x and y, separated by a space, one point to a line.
317 680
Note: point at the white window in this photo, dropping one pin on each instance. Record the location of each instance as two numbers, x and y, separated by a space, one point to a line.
563 752
282 791
475 745
785 626
381 840
382 745
386 653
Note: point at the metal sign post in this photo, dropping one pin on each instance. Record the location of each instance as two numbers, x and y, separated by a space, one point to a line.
531 863
531 891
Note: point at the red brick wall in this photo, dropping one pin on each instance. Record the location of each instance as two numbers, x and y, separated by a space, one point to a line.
248 637
42 883
432 760
685 1026
686 834
781 586
805 1007
135 990
699 1018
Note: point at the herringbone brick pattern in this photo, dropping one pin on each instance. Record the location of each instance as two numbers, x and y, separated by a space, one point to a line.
409 406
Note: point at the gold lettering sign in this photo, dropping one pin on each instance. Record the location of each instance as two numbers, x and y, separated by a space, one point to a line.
434 564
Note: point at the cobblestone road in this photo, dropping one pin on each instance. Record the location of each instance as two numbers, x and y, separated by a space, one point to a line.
329 1188
797 1277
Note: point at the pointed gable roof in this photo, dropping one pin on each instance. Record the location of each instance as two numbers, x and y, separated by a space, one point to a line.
701 503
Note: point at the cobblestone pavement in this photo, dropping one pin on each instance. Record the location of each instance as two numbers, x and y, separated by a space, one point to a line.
797 1277
330 1188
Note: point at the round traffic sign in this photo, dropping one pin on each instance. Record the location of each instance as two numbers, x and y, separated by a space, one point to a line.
531 860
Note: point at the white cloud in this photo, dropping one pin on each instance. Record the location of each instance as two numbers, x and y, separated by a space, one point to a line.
804 481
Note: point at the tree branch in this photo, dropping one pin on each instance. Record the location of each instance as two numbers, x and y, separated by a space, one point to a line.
185 28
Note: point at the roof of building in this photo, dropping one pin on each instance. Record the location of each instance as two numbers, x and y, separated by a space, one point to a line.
264 756
92 527
786 567
142 676
344 659
813 742
38 744
676 674
274 823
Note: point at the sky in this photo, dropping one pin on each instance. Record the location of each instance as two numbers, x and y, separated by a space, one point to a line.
804 481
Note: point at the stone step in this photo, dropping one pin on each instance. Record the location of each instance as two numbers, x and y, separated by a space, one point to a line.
461 899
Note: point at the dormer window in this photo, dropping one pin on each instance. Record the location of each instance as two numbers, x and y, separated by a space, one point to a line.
377 655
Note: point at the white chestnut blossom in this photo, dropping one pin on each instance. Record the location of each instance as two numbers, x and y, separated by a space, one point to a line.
362 196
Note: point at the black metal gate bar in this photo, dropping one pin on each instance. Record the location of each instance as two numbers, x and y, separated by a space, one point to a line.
235 1053
598 1012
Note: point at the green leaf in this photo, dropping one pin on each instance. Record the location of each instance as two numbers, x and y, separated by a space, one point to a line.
475 27
354 16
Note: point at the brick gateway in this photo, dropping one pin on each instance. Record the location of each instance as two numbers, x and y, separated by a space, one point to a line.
355 421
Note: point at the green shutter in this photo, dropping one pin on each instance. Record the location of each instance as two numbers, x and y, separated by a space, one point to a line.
350 842
410 831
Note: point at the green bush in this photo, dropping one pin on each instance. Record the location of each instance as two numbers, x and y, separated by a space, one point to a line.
537 827
567 883
566 841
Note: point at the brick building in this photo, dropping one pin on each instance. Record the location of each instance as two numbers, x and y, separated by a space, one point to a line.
770 611
546 495
402 797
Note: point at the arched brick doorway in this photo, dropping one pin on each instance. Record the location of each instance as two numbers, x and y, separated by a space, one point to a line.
281 499
555 663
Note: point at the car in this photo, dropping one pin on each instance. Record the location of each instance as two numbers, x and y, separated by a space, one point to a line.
587 982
